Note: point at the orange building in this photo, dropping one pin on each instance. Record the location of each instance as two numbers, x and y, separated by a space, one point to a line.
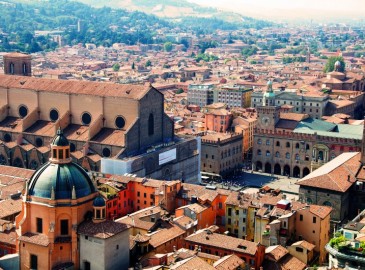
223 245
58 197
218 120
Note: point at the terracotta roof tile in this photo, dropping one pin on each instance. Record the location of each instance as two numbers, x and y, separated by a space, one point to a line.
102 230
34 238
75 87
205 237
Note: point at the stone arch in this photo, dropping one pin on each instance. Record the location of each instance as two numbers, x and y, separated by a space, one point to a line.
287 170
296 172
306 171
267 167
258 165
277 169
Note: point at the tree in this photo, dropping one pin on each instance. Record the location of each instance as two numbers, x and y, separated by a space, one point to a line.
116 67
148 63
330 65
133 66
167 46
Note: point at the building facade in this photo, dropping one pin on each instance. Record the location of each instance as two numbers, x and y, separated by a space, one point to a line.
200 94
112 128
221 153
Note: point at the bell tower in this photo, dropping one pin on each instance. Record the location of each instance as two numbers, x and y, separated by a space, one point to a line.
268 114
18 64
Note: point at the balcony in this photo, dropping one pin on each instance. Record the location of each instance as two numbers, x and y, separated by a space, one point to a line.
346 254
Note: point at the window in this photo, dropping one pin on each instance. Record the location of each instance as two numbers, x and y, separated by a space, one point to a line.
298 249
327 203
259 141
267 142
229 221
229 211
138 193
297 157
119 122
307 147
86 118
64 226
151 125
314 219
117 247
287 155
220 205
33 261
237 212
287 144
39 225
301 217
277 154
145 195
259 152
23 111
24 69
277 143
106 152
267 153
53 115
11 67
297 145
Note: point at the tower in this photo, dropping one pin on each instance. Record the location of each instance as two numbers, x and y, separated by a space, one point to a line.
18 64
268 114
58 197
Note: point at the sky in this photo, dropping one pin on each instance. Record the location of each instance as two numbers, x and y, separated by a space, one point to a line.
292 9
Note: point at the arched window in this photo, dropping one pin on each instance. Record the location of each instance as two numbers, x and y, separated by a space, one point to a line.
11 68
307 147
259 141
24 69
327 203
277 143
297 145
151 125
287 155
267 142
309 201
277 154
333 156
287 144
267 153
259 152
297 157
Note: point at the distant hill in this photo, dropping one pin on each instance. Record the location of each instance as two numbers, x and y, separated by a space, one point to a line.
102 26
173 9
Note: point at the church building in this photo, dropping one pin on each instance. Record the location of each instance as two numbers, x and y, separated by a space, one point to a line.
61 209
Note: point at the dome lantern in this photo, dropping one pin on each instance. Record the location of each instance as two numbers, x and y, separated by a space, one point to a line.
99 209
60 149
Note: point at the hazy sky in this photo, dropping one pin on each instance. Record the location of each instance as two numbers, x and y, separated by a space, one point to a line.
281 9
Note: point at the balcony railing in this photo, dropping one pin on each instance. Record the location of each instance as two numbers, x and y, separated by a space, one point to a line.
340 255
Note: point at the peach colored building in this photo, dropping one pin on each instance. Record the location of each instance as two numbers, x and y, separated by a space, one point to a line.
218 120
57 198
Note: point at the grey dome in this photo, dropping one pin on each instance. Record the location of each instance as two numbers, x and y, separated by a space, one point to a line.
61 178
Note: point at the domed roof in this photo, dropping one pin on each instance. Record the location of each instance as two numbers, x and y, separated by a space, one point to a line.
338 63
60 139
56 181
99 202
269 83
